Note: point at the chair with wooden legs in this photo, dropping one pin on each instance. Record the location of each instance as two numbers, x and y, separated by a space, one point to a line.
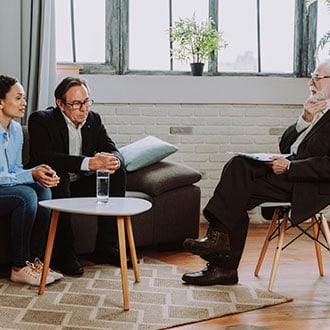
277 229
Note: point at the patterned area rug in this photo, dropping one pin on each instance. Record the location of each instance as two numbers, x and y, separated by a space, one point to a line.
94 301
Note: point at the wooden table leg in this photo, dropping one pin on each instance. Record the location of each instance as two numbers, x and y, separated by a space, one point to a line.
49 249
130 238
123 260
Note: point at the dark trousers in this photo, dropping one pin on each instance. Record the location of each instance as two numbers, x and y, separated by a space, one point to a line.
86 187
244 184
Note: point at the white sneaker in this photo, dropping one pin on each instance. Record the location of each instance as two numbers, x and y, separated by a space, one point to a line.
39 265
29 275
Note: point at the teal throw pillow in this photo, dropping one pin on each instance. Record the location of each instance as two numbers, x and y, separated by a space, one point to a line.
145 152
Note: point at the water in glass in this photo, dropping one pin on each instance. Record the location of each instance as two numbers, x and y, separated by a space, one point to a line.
102 186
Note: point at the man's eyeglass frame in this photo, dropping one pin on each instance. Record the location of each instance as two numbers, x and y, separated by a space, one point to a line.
316 77
77 105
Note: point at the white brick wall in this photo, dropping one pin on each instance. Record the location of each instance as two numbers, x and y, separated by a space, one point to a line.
216 129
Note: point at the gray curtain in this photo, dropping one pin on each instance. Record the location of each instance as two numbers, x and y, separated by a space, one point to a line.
38 58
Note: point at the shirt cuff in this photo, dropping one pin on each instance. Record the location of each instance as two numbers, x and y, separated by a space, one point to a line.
301 124
287 168
119 163
84 165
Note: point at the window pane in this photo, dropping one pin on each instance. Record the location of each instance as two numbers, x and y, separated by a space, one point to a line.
148 37
322 28
240 31
277 35
148 31
90 30
187 8
63 31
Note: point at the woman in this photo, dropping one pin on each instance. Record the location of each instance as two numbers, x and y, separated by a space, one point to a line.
21 190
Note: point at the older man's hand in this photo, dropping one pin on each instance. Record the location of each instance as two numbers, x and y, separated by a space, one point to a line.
104 161
279 165
312 106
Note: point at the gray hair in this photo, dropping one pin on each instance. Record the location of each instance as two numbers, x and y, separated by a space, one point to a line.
325 64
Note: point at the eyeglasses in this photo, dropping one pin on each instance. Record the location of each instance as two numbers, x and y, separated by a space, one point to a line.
315 77
77 105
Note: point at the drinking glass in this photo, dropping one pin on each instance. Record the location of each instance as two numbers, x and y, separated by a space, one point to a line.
102 186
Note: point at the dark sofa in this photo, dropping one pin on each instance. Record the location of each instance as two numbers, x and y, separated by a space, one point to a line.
171 189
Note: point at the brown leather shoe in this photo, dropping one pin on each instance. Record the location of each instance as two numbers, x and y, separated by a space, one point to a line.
212 275
214 242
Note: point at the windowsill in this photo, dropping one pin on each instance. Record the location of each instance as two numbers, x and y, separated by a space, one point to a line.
203 90
68 69
186 89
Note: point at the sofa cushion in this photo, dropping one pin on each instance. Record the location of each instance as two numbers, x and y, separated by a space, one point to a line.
161 177
138 194
146 151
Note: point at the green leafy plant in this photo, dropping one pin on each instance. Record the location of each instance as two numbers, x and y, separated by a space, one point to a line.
325 39
194 42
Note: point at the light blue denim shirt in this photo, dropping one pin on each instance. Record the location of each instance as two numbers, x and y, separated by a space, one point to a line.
11 157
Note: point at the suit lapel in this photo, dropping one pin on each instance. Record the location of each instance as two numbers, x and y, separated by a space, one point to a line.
86 135
324 120
63 129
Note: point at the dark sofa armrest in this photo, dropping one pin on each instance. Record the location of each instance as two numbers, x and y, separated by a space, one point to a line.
26 145
161 177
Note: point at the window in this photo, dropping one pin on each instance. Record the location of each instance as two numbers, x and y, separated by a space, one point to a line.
122 36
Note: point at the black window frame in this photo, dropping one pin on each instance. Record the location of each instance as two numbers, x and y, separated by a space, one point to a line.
117 37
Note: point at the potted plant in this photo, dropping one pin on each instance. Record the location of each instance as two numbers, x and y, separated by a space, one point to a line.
194 42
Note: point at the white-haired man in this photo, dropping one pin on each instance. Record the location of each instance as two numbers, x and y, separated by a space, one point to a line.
303 179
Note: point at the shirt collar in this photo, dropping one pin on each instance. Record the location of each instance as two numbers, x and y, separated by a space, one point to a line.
70 123
3 132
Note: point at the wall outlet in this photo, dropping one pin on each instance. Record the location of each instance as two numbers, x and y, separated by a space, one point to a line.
181 130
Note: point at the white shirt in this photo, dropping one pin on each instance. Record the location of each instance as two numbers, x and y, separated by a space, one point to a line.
75 145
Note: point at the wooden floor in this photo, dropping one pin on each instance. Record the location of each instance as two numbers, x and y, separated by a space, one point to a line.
297 278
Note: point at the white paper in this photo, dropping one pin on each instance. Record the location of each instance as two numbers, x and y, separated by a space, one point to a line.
263 157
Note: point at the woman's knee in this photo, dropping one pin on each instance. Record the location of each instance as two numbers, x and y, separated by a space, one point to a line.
22 196
29 196
42 192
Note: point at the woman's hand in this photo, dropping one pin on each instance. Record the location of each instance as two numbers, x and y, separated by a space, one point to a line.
45 175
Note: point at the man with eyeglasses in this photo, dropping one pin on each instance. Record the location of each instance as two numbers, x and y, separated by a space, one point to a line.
73 139
303 180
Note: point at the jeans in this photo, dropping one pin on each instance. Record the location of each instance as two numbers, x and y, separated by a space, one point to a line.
29 222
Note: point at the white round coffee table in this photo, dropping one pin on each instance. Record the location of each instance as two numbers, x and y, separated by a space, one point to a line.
121 207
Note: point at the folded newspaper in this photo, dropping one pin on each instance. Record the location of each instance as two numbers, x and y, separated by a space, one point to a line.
263 157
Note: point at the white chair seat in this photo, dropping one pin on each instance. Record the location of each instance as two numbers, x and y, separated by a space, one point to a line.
277 229
275 204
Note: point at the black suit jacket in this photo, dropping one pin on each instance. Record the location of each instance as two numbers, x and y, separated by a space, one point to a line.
309 169
49 140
